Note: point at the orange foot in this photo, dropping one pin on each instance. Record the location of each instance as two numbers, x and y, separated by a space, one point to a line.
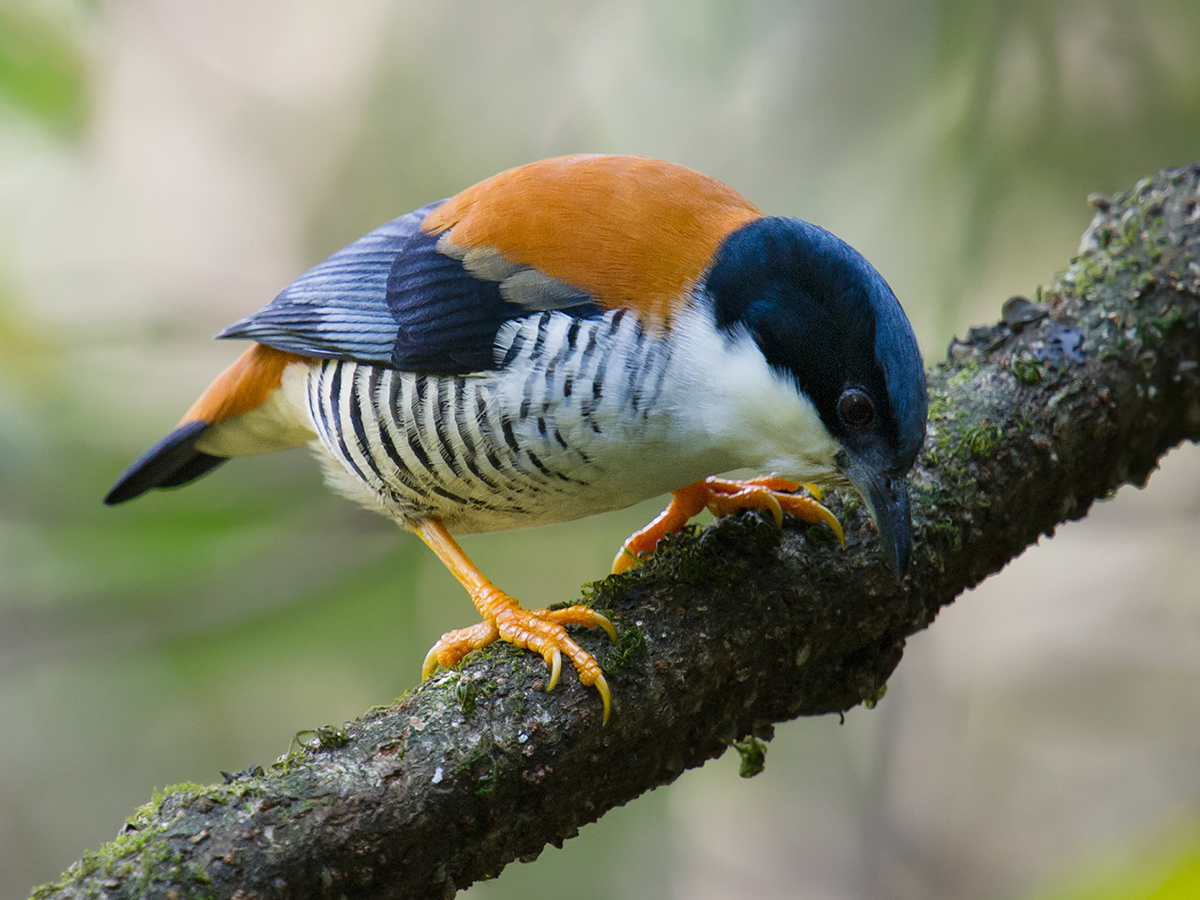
723 497
505 619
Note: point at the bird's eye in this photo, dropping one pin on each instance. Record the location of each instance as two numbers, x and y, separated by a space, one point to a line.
856 408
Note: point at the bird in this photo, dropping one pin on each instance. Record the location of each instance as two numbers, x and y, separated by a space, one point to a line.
565 338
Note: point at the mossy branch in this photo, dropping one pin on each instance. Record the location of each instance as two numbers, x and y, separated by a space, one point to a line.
725 632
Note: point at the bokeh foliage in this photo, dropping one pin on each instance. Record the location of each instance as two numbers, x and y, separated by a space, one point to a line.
43 64
193 631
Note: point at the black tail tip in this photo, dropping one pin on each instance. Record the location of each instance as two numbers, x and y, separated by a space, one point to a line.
171 462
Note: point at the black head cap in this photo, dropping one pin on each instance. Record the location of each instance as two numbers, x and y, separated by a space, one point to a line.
822 315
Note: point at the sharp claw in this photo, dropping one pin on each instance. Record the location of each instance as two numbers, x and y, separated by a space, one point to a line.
831 520
430 665
555 668
603 622
605 696
772 504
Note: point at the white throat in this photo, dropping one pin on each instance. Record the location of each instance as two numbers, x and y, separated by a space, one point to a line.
726 393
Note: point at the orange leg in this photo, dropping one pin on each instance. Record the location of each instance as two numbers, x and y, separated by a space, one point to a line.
505 619
722 497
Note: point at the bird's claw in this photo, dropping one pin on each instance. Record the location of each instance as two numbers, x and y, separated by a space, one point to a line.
541 631
722 497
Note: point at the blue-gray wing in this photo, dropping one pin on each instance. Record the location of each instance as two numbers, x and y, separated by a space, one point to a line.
396 298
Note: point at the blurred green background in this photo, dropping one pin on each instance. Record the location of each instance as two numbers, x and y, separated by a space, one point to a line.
167 166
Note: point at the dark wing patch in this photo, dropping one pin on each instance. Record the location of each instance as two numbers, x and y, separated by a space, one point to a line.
394 298
447 315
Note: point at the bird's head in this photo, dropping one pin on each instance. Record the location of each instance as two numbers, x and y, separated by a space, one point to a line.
825 320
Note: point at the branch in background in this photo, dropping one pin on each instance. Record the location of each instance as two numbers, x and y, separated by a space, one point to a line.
725 632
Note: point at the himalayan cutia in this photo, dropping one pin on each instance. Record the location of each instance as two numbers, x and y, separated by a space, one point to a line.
569 337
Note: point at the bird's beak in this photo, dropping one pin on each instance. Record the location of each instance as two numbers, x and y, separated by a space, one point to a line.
887 499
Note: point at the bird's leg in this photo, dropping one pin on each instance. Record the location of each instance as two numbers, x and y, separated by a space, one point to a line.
722 497
505 619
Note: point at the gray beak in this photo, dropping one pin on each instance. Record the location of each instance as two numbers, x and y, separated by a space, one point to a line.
887 499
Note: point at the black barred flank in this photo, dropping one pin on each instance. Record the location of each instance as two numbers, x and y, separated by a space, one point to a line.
335 413
496 446
443 420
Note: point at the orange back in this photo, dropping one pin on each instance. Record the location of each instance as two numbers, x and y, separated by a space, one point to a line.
630 231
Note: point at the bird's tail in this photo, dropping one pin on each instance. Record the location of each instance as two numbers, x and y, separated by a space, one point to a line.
242 412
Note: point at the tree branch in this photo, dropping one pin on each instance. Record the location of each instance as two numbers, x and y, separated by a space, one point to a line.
724 632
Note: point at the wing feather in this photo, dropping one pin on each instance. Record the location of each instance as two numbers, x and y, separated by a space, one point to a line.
338 309
429 291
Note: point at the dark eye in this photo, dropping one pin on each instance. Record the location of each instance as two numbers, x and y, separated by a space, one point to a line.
856 408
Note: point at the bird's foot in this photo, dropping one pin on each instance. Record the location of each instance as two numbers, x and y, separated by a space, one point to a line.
539 630
722 497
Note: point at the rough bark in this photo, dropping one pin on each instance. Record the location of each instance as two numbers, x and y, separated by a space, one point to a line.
724 632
